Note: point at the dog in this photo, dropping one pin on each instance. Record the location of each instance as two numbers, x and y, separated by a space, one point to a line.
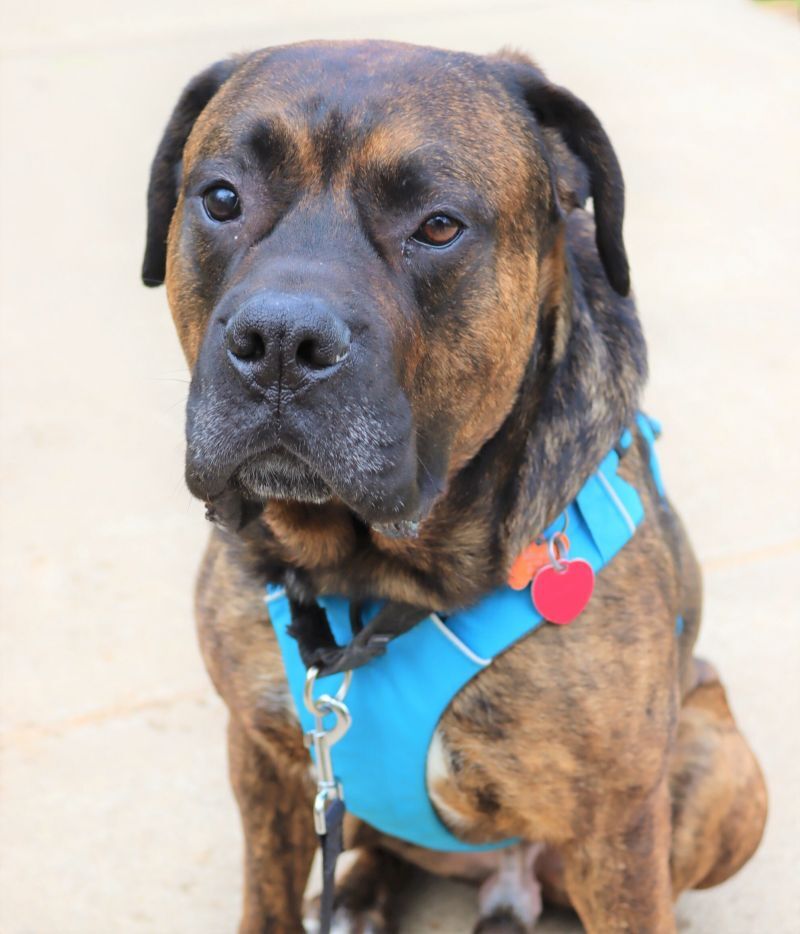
399 279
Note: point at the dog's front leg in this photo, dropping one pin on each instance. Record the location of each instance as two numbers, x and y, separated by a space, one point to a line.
279 836
618 877
269 765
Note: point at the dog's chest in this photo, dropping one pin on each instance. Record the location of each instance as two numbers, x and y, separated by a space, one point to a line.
447 721
496 741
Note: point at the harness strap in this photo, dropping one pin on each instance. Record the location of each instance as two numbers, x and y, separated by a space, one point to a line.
319 649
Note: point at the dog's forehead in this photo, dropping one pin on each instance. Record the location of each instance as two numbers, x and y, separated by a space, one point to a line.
368 79
375 99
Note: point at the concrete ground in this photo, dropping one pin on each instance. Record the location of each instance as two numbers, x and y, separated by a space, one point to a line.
116 813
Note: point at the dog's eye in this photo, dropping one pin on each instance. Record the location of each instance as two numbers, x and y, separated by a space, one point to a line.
438 230
221 203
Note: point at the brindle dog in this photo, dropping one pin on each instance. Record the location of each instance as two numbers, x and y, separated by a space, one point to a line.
411 341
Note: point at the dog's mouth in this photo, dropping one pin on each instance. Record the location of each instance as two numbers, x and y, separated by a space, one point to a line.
363 454
280 474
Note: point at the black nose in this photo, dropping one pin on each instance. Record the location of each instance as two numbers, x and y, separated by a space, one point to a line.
281 339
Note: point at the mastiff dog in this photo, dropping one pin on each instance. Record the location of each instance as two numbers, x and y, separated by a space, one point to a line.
442 549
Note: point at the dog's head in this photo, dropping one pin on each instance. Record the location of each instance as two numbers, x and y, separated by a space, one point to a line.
357 241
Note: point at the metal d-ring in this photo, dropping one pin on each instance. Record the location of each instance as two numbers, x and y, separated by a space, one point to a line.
313 704
321 739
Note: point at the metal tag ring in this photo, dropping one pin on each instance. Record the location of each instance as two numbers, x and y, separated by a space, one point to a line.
557 549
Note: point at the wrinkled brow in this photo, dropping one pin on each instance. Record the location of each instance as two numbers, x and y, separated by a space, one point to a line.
416 179
268 144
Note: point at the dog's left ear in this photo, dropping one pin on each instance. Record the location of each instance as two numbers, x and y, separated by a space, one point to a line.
557 108
162 192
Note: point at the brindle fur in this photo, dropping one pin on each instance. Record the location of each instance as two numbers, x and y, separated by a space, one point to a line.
597 738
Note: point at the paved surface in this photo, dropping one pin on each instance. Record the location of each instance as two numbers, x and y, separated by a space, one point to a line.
116 813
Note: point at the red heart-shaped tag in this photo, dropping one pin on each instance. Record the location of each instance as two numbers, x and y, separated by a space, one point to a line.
561 595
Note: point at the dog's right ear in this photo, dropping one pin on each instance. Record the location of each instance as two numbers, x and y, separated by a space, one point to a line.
559 111
162 192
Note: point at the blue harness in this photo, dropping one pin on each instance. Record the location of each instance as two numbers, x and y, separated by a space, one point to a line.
397 699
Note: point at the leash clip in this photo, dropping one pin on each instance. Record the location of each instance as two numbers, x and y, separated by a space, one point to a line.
321 740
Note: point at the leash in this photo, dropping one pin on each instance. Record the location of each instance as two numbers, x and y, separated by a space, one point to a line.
322 657
329 809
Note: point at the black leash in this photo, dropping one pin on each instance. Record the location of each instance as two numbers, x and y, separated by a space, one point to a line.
331 844
322 656
329 807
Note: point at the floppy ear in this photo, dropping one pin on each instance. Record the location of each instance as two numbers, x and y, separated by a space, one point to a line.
162 192
582 132
557 108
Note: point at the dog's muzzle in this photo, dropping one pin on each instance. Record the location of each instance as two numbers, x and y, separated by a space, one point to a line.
296 396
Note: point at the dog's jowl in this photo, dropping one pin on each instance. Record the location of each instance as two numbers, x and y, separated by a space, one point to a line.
399 279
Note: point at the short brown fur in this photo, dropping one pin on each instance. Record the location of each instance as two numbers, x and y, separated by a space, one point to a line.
597 738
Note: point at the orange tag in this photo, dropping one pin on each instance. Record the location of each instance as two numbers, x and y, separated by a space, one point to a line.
527 564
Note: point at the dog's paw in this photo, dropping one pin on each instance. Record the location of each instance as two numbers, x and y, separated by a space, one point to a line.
511 898
502 921
347 920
